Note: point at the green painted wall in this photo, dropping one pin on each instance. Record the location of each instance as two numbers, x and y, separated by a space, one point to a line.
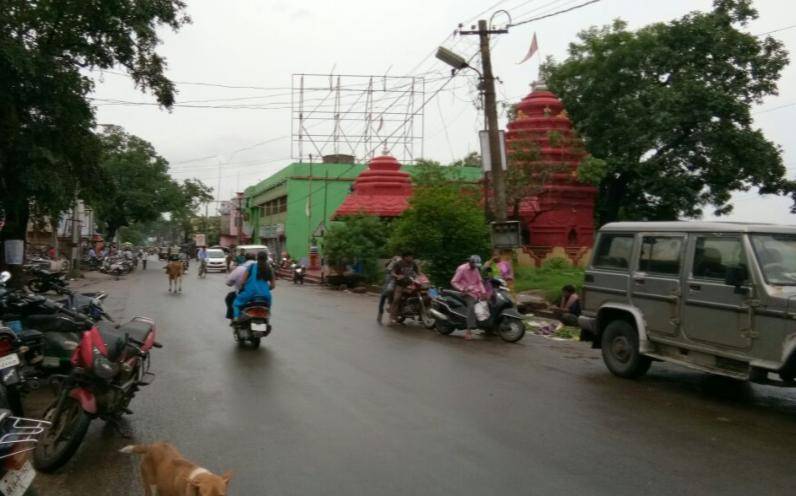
320 191
329 186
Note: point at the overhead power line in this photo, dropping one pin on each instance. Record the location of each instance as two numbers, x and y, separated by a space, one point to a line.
777 30
552 14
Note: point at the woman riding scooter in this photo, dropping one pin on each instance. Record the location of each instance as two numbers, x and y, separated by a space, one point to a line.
256 283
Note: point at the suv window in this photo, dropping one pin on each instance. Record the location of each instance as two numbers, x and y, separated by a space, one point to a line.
714 256
661 255
614 251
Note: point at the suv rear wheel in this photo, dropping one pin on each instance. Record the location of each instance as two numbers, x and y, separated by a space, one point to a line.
620 350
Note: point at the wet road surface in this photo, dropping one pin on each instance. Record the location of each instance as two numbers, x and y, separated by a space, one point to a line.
332 403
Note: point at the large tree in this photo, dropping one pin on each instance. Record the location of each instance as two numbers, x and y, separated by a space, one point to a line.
667 110
138 187
48 150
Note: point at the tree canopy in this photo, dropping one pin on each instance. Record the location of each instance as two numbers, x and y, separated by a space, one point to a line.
139 189
665 112
47 144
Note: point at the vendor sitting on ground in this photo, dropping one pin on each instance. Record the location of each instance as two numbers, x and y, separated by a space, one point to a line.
568 309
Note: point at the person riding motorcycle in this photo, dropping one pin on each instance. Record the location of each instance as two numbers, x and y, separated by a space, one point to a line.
402 273
468 281
257 282
235 280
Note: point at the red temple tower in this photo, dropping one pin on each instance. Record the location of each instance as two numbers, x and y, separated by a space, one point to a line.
382 190
558 216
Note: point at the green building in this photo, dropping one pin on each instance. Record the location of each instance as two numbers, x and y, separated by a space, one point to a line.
286 210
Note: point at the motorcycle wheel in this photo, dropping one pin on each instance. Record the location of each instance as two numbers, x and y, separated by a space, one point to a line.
60 442
37 286
255 343
511 330
428 320
443 327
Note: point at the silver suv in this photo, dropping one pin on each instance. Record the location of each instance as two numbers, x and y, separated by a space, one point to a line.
716 297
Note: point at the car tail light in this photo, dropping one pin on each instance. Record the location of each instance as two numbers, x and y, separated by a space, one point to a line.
257 312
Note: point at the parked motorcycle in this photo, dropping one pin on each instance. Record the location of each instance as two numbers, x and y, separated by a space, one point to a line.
298 274
450 313
416 302
253 323
42 280
110 365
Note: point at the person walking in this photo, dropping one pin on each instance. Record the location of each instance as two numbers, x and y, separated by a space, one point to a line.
500 268
389 286
201 257
467 280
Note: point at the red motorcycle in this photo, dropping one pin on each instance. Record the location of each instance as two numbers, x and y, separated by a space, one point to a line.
110 364
416 302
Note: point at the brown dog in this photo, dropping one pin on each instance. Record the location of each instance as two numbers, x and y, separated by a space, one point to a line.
166 473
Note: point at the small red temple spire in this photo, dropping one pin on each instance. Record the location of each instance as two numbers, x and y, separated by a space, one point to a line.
382 189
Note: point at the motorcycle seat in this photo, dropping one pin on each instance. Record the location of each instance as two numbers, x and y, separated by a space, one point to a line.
256 302
457 295
115 338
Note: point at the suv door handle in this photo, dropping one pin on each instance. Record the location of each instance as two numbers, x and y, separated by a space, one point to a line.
638 280
695 287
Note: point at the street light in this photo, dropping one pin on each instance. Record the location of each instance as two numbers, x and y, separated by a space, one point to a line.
452 59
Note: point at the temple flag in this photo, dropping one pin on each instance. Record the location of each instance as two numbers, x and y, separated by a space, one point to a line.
532 50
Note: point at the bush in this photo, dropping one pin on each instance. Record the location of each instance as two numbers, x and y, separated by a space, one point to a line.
359 239
443 226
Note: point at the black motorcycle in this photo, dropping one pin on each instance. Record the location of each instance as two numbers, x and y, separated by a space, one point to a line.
449 310
253 323
42 280
298 274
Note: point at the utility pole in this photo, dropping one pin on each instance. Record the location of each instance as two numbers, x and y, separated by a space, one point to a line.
239 218
75 253
490 117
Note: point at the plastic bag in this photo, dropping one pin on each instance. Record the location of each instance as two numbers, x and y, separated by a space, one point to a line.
482 311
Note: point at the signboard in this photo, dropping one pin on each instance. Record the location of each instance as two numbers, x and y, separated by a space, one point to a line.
506 235
272 231
200 239
486 156
320 230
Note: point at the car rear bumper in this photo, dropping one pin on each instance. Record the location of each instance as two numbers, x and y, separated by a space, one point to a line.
587 323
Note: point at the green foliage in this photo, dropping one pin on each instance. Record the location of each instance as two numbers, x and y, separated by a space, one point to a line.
592 170
557 263
667 108
548 279
139 189
131 234
357 239
47 48
472 159
443 226
555 138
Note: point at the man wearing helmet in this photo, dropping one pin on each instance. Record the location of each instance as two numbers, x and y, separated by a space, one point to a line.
468 280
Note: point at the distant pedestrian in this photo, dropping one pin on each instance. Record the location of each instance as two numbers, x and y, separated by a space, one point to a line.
241 258
501 269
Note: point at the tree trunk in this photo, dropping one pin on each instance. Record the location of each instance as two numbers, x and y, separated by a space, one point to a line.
16 228
611 196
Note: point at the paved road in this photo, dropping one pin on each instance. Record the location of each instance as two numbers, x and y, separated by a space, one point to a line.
335 404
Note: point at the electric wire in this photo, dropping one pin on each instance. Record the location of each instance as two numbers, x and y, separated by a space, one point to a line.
552 14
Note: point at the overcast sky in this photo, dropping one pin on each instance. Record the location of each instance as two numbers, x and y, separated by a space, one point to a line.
259 44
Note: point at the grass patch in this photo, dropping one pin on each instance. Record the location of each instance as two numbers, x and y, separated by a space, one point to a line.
548 279
568 332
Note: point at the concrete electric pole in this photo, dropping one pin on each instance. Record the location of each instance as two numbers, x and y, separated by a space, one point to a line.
490 117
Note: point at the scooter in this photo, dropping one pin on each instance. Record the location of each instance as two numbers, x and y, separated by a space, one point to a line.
449 310
253 323
298 274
